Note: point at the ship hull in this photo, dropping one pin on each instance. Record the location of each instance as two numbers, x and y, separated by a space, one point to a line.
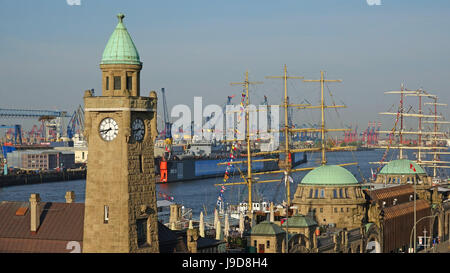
192 169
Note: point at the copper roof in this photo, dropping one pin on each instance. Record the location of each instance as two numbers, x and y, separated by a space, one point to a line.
405 208
390 192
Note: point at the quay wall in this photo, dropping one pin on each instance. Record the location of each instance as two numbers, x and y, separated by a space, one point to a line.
41 177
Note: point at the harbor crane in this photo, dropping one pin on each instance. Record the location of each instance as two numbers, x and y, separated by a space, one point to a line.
76 123
167 133
42 115
17 132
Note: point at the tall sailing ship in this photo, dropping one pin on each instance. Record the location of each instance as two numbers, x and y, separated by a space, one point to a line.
250 178
429 142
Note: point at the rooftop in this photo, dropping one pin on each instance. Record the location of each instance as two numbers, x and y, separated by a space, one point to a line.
266 228
402 166
120 48
329 175
300 221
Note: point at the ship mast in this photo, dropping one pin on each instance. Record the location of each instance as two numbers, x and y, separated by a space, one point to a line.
246 84
420 93
400 115
287 167
286 131
436 158
322 108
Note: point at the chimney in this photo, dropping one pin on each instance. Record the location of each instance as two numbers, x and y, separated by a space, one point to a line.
192 237
70 197
175 215
35 212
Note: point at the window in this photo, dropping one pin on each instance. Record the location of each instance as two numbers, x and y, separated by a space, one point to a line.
340 193
254 243
335 210
334 193
106 215
316 193
342 209
117 83
346 193
268 244
129 82
141 163
310 193
321 209
322 193
107 83
141 229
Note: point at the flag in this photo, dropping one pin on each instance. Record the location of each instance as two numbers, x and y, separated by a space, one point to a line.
412 167
288 178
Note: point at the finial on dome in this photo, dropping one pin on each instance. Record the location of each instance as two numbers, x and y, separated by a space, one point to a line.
120 16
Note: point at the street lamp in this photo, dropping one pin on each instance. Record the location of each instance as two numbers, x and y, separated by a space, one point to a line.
414 229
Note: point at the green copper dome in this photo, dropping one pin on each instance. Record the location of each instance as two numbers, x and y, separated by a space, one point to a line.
266 228
402 166
120 48
329 175
300 221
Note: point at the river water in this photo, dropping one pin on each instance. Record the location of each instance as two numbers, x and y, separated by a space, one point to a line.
198 194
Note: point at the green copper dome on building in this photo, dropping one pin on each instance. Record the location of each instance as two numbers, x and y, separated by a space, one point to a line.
266 228
120 48
329 175
402 166
299 221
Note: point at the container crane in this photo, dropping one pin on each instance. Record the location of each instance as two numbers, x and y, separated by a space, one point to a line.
167 133
76 123
43 115
17 132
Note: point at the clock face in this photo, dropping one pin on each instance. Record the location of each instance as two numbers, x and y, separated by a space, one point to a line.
108 129
138 129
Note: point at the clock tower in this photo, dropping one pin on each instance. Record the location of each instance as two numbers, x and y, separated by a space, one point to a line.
120 127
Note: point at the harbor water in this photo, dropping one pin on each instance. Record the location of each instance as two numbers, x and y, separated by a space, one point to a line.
202 194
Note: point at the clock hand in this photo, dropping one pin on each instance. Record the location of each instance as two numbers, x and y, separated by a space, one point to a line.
106 130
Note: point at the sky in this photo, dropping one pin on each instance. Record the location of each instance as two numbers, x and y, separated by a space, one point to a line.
50 51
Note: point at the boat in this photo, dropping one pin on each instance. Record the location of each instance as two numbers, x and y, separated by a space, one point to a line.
206 159
193 168
251 206
428 141
163 210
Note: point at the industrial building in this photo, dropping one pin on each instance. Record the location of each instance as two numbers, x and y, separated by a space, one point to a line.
47 159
